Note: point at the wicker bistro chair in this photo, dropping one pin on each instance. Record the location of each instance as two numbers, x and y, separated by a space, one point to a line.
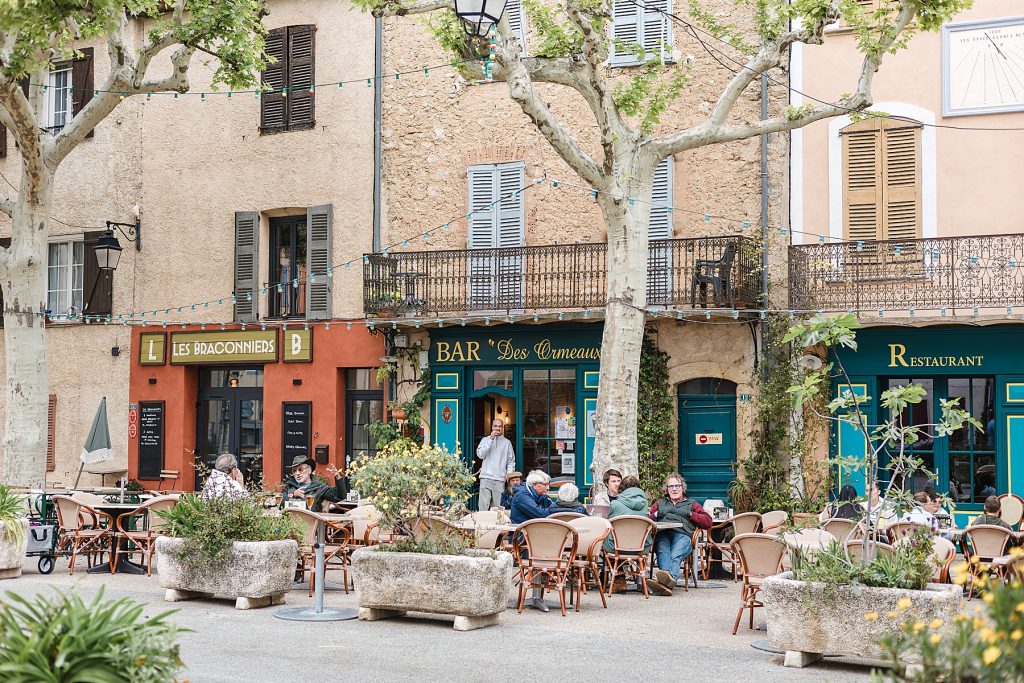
843 529
1011 509
590 534
898 530
546 549
854 548
78 536
988 543
944 551
336 556
143 540
770 521
630 555
485 539
565 516
744 523
760 556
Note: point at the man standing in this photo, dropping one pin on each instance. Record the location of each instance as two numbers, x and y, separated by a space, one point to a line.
498 460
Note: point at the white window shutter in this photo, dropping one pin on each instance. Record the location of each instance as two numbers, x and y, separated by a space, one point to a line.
247 236
319 229
482 234
626 32
657 29
514 13
511 233
659 263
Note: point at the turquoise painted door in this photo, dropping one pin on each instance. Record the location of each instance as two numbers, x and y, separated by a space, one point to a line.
707 444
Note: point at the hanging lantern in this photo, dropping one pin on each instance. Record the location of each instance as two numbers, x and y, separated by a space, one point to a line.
478 16
108 251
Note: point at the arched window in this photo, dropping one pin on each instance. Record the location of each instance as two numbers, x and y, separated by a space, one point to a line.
707 386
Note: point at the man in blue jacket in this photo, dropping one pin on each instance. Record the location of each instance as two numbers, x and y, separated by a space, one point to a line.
530 500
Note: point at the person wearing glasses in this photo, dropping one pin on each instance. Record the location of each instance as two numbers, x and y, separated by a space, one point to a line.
673 546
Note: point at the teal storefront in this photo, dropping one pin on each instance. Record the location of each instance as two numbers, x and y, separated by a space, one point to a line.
541 380
981 366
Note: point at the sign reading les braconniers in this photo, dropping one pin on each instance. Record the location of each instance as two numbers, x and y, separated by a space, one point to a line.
234 346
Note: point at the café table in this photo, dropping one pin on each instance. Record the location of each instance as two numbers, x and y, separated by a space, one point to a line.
122 565
318 612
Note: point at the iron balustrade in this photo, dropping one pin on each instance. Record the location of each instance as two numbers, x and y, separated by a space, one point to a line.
954 273
713 272
285 299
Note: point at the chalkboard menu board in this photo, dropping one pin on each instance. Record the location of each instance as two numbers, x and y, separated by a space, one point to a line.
295 432
151 439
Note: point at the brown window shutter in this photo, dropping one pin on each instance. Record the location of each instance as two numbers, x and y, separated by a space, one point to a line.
82 82
51 434
97 285
274 77
301 69
5 242
862 180
901 147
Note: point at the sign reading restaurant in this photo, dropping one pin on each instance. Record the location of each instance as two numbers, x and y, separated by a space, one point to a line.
236 346
898 358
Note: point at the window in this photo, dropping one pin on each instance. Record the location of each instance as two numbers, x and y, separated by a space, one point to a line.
516 22
286 289
365 404
65 274
58 98
882 180
549 420
289 102
640 27
498 220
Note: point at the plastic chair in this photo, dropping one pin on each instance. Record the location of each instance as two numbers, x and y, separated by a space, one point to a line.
77 536
773 520
590 534
541 546
760 556
714 272
1011 509
629 552
144 540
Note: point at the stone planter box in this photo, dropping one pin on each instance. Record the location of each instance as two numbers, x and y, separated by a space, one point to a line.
809 620
12 554
256 574
473 586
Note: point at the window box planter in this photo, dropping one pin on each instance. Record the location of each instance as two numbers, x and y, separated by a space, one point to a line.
809 620
256 574
474 586
12 553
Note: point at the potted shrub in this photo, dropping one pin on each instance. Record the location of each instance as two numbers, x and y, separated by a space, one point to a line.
397 410
227 547
63 638
13 533
433 571
840 604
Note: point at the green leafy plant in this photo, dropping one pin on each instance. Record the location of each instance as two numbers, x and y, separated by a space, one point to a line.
63 639
12 510
979 647
210 525
655 418
909 566
407 480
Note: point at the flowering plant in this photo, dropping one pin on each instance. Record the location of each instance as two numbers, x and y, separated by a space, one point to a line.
406 479
978 647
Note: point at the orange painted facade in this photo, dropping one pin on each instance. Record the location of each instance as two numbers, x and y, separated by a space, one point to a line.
320 382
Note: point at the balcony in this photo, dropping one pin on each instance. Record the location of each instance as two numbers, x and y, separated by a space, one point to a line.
713 272
951 273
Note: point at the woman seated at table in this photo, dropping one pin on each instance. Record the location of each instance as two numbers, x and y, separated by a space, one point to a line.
225 479
674 546
631 501
568 496
844 507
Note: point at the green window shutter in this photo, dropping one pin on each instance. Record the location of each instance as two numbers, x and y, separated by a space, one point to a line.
659 262
514 14
274 77
82 74
301 77
247 235
626 33
97 285
319 226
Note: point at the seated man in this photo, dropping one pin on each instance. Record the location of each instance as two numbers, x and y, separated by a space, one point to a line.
225 479
302 484
991 514
674 546
512 481
531 501
567 500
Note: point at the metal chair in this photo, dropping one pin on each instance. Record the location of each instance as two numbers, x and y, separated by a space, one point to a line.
546 549
143 540
629 553
717 273
590 534
1011 509
78 536
760 556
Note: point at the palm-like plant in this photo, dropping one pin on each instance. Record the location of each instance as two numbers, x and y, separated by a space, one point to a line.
11 512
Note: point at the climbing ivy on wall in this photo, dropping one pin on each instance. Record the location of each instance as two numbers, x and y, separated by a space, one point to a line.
655 419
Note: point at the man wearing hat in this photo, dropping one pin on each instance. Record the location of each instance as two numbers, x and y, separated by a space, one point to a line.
512 480
302 484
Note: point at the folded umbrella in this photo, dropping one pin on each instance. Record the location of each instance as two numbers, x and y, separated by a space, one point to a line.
97 444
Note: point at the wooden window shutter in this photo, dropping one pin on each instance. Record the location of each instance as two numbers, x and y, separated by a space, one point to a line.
626 32
5 242
862 180
514 13
82 81
511 221
319 226
901 145
51 434
97 285
301 77
247 235
482 234
274 77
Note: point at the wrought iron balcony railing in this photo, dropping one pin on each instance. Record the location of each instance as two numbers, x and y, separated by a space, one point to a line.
713 272
926 274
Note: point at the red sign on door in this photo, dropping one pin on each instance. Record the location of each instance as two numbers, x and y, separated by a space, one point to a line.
133 417
133 430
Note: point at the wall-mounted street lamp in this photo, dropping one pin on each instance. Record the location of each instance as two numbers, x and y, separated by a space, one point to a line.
478 16
108 249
